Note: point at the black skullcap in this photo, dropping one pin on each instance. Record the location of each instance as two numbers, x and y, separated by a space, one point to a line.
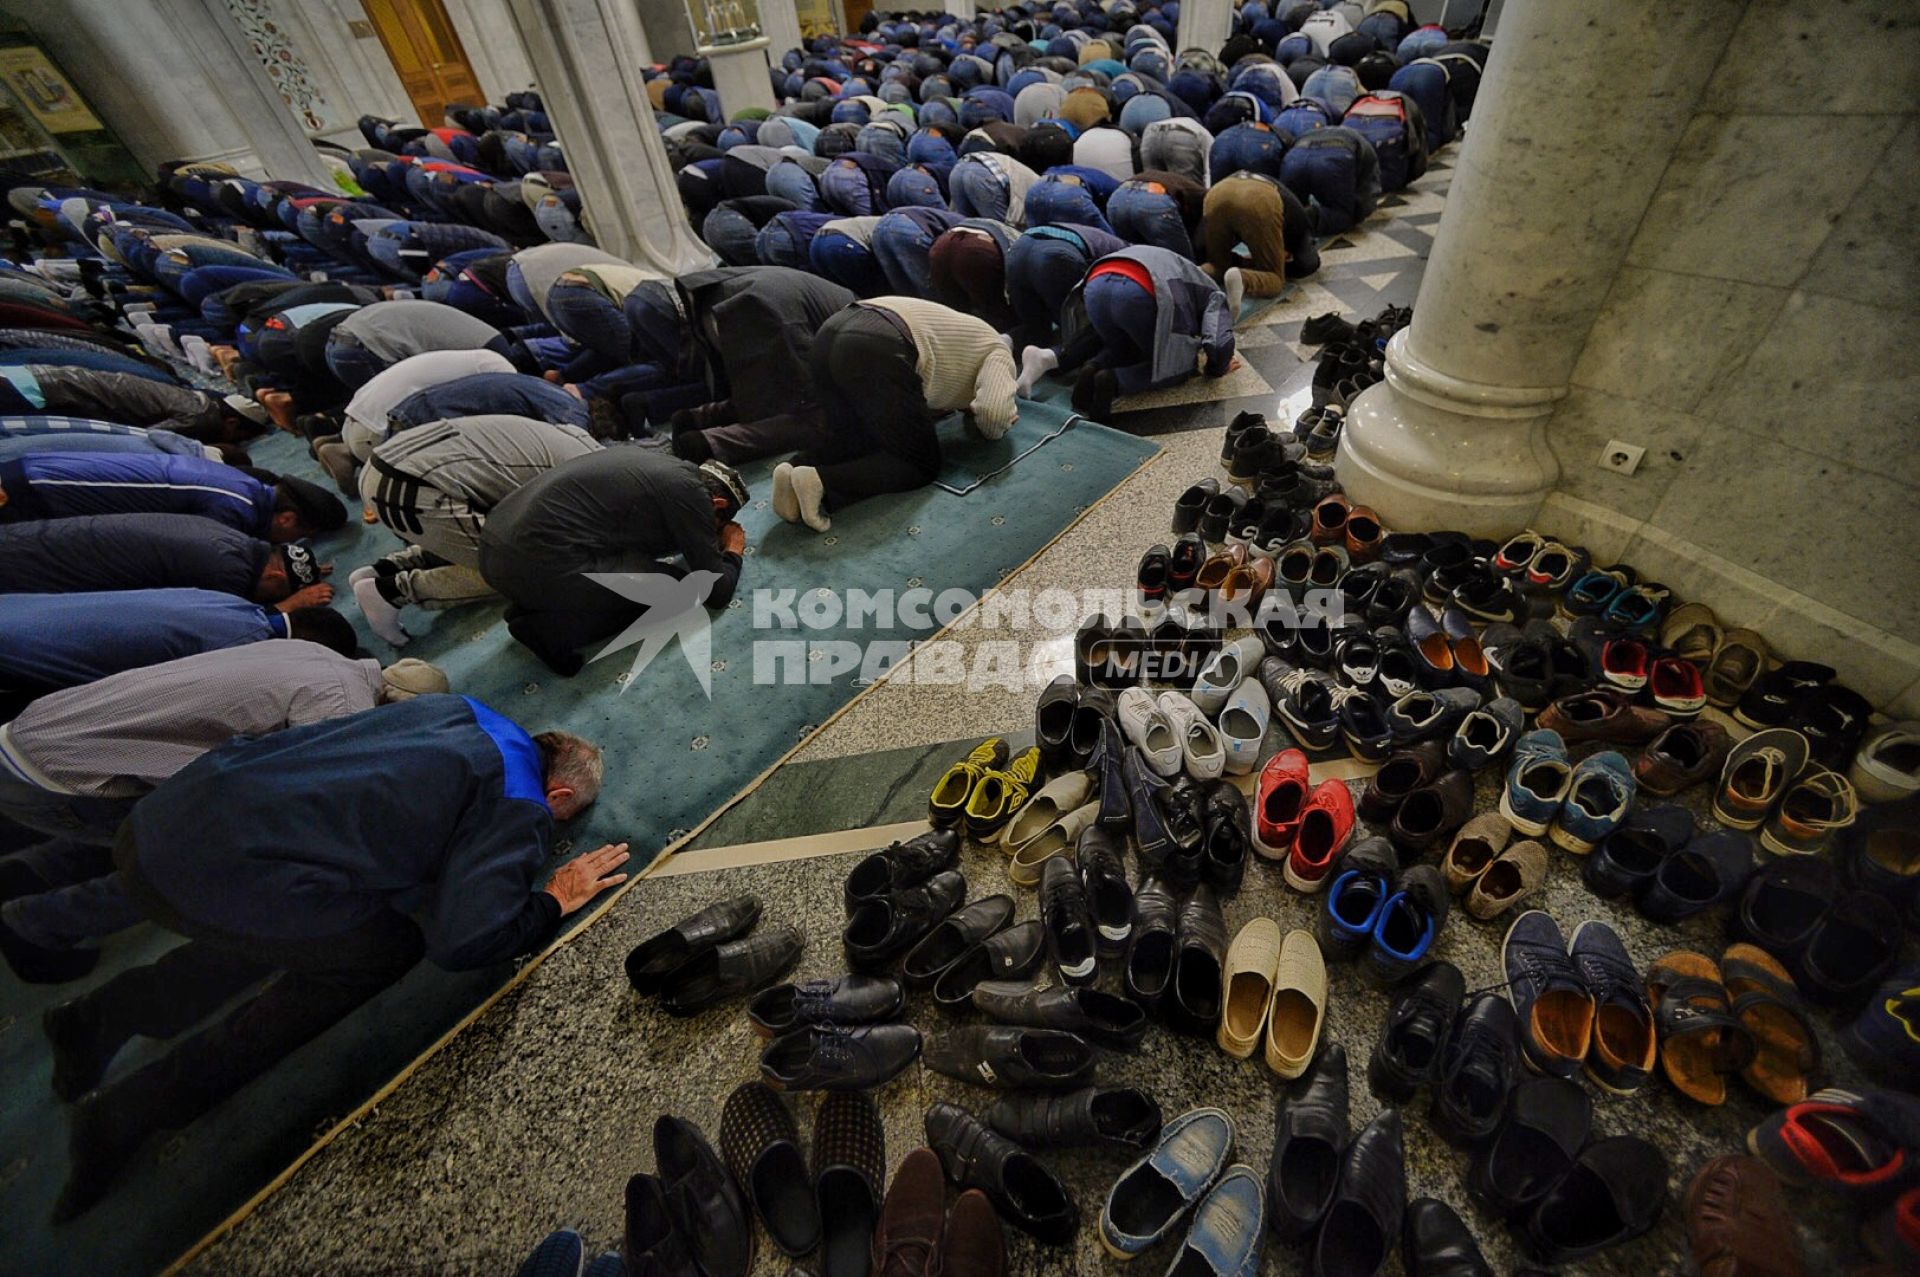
317 508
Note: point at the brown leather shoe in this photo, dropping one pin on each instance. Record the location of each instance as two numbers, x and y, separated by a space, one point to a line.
973 1245
1602 716
1214 572
1404 771
1330 520
1681 757
911 1218
1365 534
1738 1222
1430 813
1247 584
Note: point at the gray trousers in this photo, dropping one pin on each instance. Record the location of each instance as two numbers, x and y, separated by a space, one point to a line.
441 565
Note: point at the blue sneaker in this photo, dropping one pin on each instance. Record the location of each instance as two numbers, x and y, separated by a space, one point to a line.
1884 1038
1537 782
1597 801
1595 592
1550 999
1229 1229
560 1254
1409 921
1351 905
1146 1202
1636 608
1624 1043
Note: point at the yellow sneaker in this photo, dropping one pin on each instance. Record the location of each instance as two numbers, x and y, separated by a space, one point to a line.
948 805
1000 793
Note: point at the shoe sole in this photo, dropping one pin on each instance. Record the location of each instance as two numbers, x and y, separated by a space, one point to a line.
1567 842
1734 822
1304 886
1778 848
1266 850
1527 827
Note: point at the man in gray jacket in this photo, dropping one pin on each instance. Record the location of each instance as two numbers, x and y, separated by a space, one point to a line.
433 486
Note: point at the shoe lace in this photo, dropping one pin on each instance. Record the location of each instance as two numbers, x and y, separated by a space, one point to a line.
812 998
833 1048
1342 694
1295 679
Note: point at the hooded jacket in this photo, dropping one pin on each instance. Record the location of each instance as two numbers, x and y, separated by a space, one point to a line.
756 328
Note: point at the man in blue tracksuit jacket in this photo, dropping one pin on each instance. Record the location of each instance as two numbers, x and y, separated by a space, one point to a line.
336 855
59 485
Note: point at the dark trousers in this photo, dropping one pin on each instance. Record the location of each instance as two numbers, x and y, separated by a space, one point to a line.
1119 333
556 610
869 389
312 985
970 274
1041 272
743 441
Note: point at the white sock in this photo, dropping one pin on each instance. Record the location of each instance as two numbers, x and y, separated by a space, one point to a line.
1035 364
784 503
362 574
1236 285
199 354
810 493
381 615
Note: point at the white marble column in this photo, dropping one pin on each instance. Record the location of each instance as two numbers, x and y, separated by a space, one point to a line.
586 57
1538 220
493 46
740 75
781 22
1204 24
965 10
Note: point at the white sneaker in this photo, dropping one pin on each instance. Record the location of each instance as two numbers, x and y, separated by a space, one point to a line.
1236 285
784 504
382 616
810 495
1887 767
1149 728
1200 744
1232 665
1243 726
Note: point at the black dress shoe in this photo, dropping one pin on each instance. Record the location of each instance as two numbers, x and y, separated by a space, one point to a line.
1309 1140
1411 1041
1011 1058
1191 504
1151 841
1012 954
1189 553
1053 721
1022 1189
1103 876
1110 776
1092 649
1110 1117
1104 1019
1228 837
707 1209
1478 1066
733 970
1194 1006
842 1000
1363 1221
902 865
1091 715
653 960
761 1146
822 1057
1156 912
1436 1242
1614 1193
950 939
654 1247
1547 1123
1183 813
1151 582
1070 934
885 927
849 1171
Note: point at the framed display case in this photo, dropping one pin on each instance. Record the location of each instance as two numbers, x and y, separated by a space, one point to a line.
718 23
49 135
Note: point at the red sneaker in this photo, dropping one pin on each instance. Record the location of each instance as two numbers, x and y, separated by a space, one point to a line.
1282 797
1325 826
1677 686
1623 663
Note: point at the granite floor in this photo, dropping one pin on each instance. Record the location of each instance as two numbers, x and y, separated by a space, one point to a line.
534 1117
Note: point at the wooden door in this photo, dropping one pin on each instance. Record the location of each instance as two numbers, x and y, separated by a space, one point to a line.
424 50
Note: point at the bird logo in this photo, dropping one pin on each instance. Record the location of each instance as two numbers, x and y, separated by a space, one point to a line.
672 607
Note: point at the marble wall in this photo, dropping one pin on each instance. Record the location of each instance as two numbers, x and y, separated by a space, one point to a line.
1758 341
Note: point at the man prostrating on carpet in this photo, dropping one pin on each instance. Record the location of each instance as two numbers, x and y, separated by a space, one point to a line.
326 860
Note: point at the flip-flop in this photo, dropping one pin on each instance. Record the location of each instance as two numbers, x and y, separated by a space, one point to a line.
1701 1040
1766 1002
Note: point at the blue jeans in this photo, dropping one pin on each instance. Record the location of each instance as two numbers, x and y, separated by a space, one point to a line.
592 321
1141 216
900 246
1123 314
351 364
847 262
1041 272
84 901
1246 146
731 234
977 191
1064 204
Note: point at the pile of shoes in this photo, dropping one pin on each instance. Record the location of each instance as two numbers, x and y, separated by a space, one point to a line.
709 958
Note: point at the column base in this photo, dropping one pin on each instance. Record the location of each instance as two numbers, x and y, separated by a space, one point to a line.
1429 452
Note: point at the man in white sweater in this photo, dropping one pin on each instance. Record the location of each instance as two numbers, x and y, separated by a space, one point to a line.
884 372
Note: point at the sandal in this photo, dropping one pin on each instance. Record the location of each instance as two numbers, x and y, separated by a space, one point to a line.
1701 1040
1766 1002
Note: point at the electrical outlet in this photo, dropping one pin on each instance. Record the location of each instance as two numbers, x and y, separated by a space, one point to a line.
1621 458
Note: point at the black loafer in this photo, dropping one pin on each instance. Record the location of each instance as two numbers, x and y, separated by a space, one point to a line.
1436 1242
952 936
1363 1221
1012 954
1228 838
652 1242
1627 859
652 960
1547 1122
1022 1189
1105 1019
1053 721
1408 1052
1101 857
1309 1139
731 971
761 1146
833 1058
1614 1193
1152 843
1191 504
885 927
1477 1069
1011 1058
902 865
706 1206
1156 909
1091 715
1063 910
1108 1117
844 1000
1708 870
849 1171
1194 1004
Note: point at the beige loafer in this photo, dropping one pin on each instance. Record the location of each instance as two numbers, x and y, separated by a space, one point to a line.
1299 1005
1058 797
1055 840
1508 881
1247 986
1475 848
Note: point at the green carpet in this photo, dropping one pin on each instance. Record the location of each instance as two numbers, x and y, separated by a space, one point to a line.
673 756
